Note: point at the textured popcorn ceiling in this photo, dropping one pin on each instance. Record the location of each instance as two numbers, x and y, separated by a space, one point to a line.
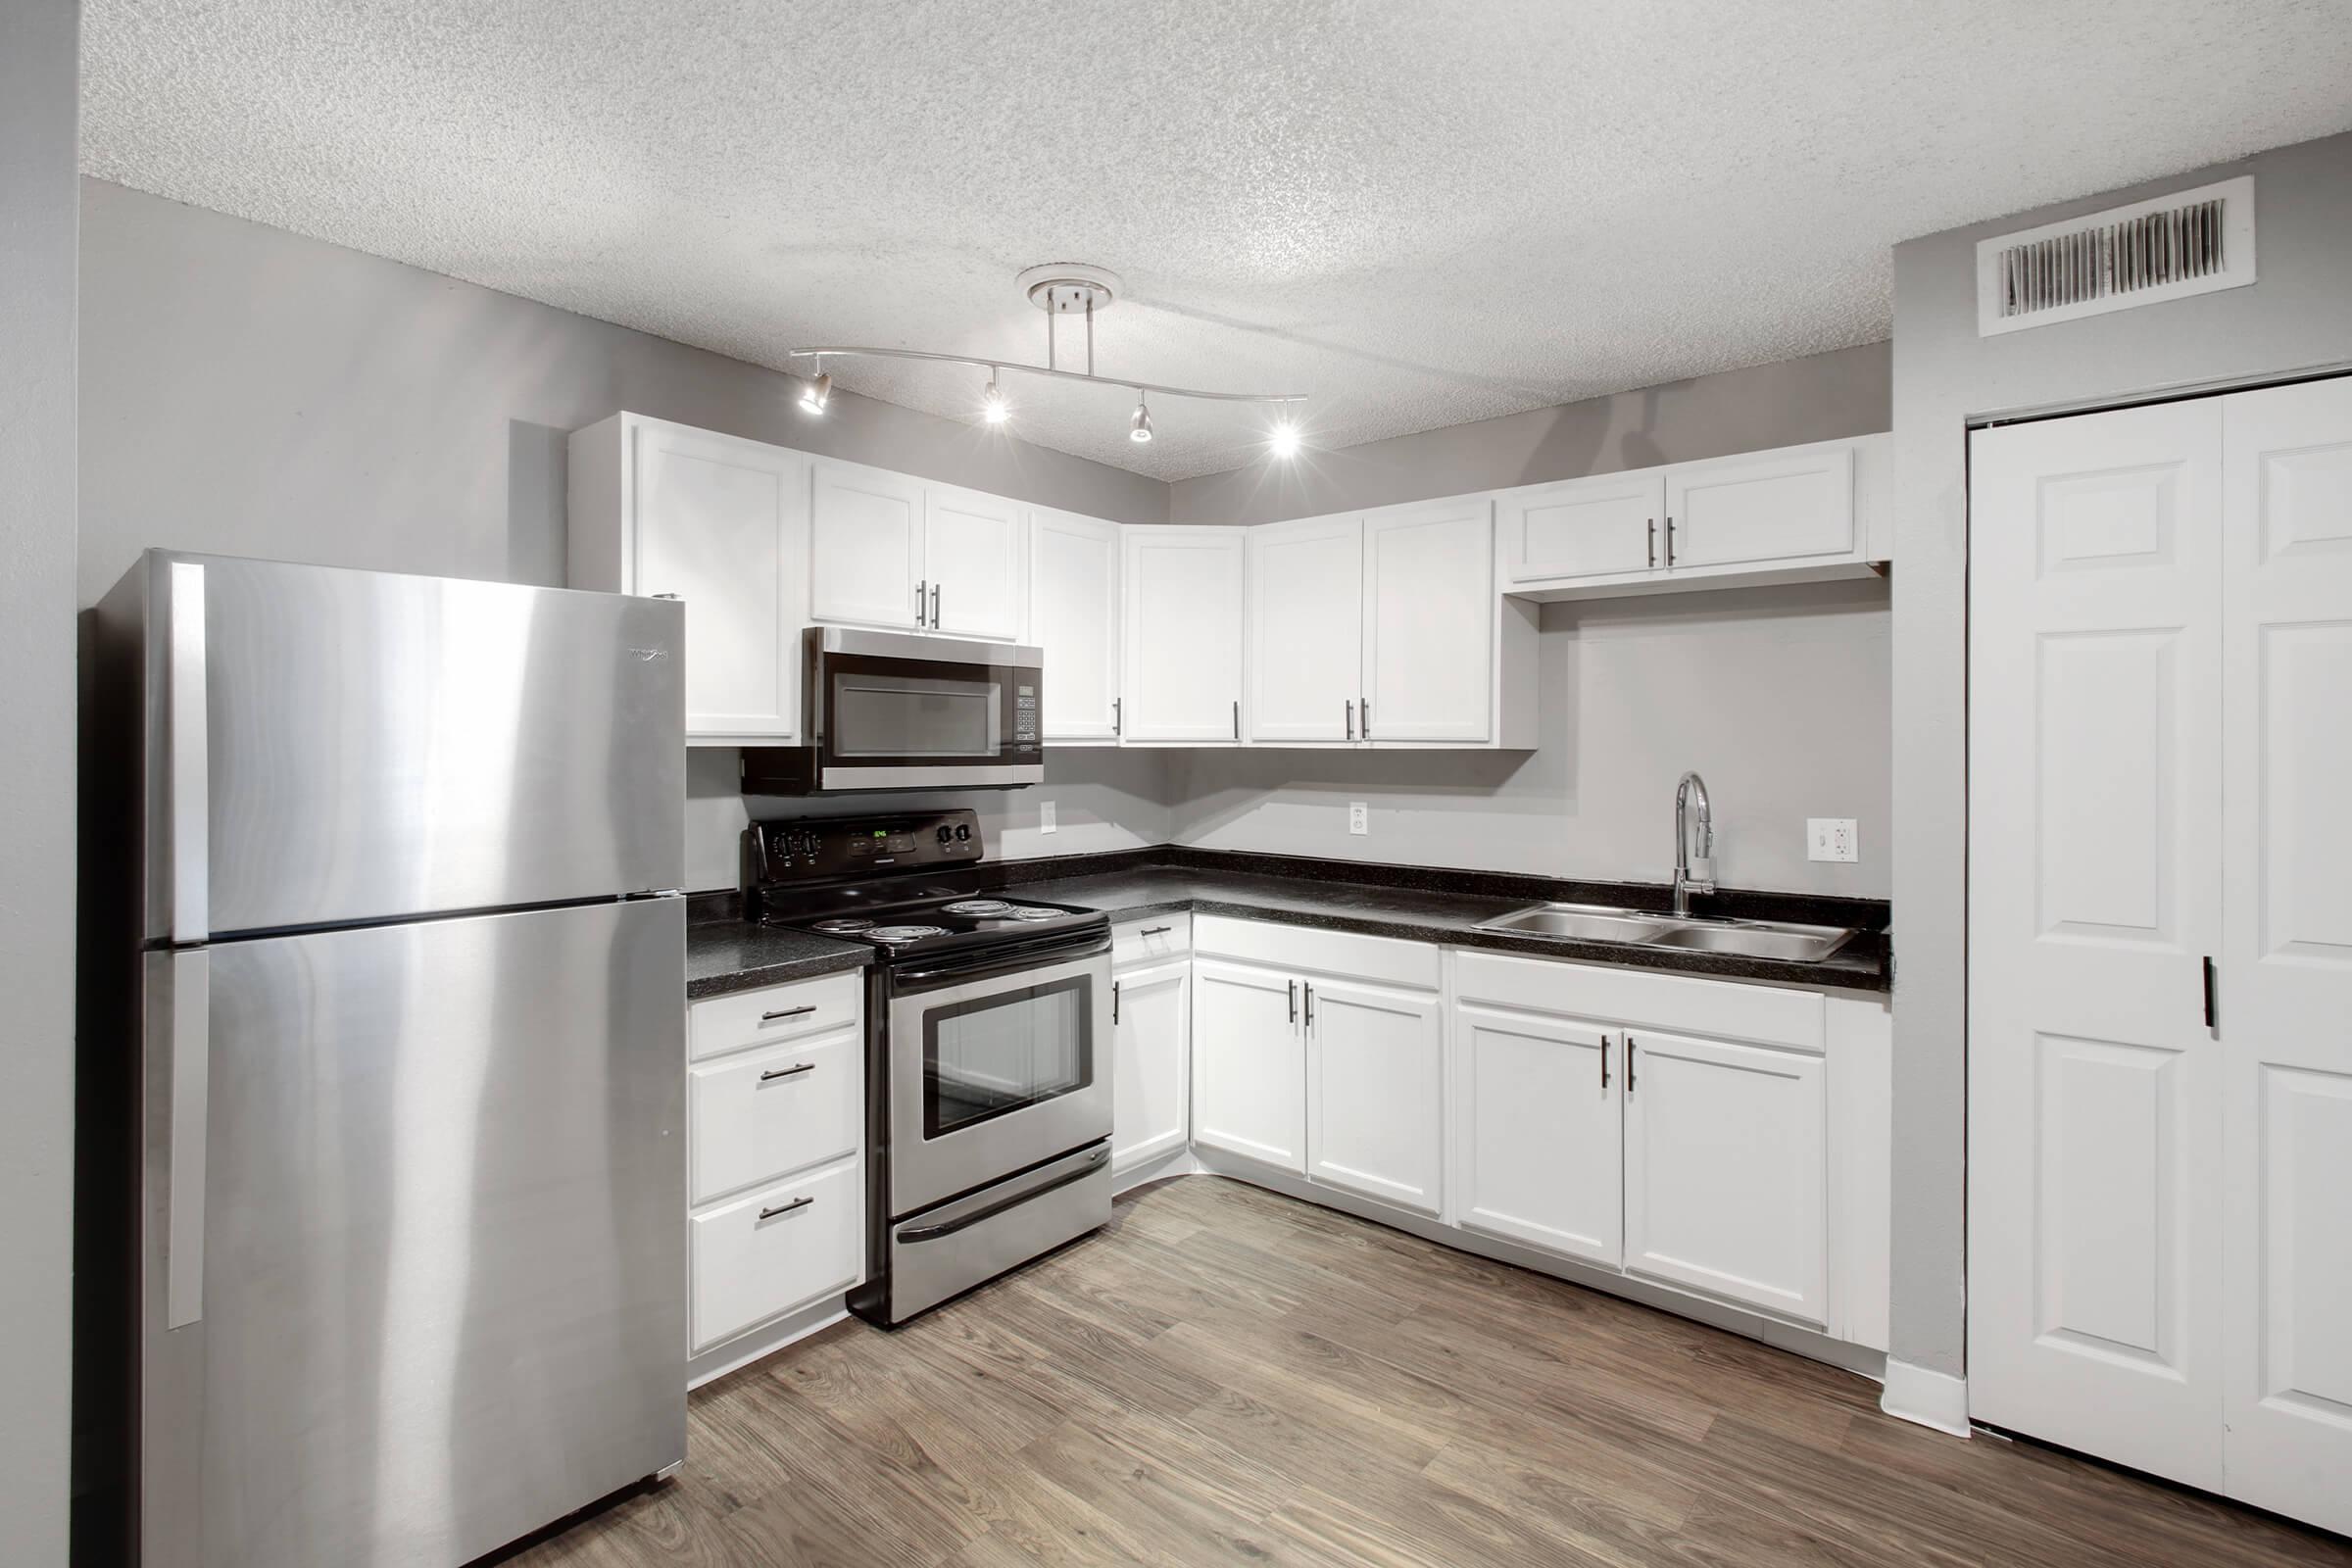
1420 212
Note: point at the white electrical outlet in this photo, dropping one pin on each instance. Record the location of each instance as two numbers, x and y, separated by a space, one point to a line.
1359 817
1831 838
1045 818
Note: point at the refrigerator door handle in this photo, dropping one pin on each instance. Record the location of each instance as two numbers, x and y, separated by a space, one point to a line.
188 738
188 1040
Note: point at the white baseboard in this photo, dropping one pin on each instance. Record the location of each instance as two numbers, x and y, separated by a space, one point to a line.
1931 1399
1177 1162
765 1340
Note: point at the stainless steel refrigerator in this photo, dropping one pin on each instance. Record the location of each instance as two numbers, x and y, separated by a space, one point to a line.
404 976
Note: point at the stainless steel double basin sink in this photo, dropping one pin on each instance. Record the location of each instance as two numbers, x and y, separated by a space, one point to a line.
1776 940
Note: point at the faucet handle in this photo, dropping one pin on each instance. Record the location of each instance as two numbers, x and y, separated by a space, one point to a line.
1702 873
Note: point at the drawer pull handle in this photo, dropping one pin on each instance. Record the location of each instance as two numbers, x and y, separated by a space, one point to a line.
796 1068
793 1208
786 1012
1157 930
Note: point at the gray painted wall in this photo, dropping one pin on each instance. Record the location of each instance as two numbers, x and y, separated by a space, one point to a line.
1777 694
1818 398
38 77
2298 316
253 392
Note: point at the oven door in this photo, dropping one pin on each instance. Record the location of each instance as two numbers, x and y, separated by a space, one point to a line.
995 1069
894 711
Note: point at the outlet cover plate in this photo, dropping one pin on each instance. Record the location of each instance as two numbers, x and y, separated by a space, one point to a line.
1359 817
1045 816
1831 838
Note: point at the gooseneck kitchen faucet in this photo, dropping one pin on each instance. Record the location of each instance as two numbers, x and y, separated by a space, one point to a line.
1693 873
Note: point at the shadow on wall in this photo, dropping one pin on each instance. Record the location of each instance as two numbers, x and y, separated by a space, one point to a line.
538 535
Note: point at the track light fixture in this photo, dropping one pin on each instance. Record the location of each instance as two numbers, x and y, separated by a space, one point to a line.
1063 289
817 393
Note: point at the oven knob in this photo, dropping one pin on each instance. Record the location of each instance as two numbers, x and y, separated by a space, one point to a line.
944 834
963 830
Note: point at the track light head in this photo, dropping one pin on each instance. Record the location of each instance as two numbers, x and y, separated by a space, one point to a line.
992 403
1283 442
1139 428
817 394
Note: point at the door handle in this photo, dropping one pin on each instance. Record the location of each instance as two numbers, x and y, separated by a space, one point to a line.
1628 1067
792 1071
793 1208
661 596
1114 1002
1653 543
1116 717
189 735
1351 718
1670 541
935 607
1366 703
2213 1011
1237 718
919 589
1292 987
1157 930
1604 1061
786 1012
1310 1003
189 1026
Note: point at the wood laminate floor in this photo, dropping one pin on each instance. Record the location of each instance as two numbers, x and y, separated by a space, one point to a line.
1228 1376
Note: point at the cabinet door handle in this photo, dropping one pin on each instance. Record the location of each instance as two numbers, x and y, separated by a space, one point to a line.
1653 543
1351 718
787 1012
1292 988
1237 718
1157 930
793 1208
919 590
661 596
1366 703
1628 1067
1114 1002
2213 1011
1310 1003
1670 541
1604 1061
935 607
792 1071
1117 718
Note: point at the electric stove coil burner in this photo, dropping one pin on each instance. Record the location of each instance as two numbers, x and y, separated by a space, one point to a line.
895 935
978 907
841 929
1030 911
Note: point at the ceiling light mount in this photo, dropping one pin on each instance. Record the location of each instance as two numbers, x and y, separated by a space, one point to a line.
1062 288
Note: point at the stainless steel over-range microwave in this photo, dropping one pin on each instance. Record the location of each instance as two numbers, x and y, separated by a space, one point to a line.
892 711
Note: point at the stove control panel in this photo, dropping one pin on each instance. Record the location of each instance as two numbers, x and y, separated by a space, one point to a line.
810 850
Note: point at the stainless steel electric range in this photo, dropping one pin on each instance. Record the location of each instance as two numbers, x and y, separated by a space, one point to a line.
988 1046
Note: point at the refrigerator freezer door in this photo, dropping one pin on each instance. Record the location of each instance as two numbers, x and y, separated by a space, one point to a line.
441 1242
326 746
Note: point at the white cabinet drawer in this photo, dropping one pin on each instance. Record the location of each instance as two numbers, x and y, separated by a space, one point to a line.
781 1247
760 1114
1150 939
776 1013
1303 948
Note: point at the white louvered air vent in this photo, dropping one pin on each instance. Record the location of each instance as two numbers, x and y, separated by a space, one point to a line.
2190 242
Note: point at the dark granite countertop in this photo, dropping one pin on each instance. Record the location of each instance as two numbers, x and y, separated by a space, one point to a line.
1319 894
730 954
1416 904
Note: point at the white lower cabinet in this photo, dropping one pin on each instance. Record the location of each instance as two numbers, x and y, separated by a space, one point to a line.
1248 1063
1538 1118
1151 1036
775 1144
1726 1179
1375 1091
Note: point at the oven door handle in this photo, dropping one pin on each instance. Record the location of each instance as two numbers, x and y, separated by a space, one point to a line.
933 1233
904 981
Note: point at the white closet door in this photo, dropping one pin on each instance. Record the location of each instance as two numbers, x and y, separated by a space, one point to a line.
2285 975
2094 891
1307 629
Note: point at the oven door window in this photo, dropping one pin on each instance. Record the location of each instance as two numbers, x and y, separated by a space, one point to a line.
1005 1052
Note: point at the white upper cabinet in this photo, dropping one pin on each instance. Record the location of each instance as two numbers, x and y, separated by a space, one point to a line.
972 555
867 555
1074 616
1794 514
721 523
1785 506
1726 1170
1430 651
1306 604
1182 632
1602 527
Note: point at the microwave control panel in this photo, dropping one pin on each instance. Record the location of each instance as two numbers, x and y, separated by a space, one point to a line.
814 848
